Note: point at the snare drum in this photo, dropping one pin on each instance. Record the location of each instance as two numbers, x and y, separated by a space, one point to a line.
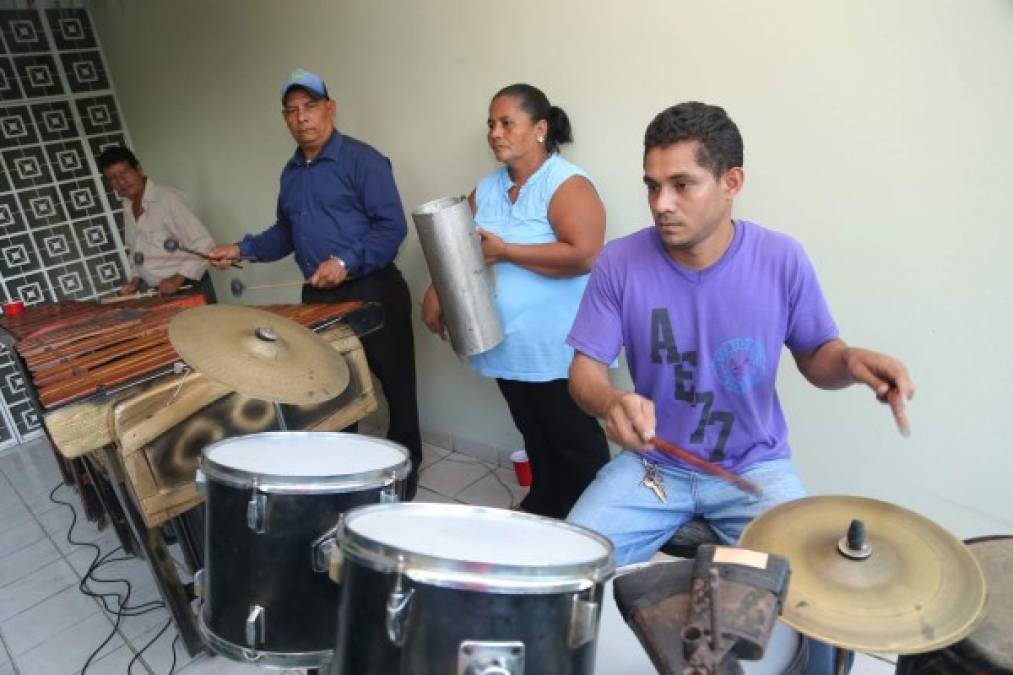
989 649
272 501
438 589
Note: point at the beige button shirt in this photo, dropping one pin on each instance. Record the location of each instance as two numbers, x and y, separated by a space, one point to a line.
167 213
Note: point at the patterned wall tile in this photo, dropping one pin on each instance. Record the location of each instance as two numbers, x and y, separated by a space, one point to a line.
25 417
17 256
85 71
93 236
54 121
67 160
32 289
42 206
27 167
98 115
38 75
17 127
70 281
22 31
11 219
56 245
71 29
10 87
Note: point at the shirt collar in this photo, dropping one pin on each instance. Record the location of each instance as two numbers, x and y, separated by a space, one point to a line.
330 150
507 183
147 196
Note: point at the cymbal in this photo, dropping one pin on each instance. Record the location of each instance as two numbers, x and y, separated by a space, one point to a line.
910 587
259 354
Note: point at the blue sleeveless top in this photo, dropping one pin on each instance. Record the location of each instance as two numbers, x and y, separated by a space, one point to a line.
537 311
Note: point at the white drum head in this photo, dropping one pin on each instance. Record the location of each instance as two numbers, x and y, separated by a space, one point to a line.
304 455
478 535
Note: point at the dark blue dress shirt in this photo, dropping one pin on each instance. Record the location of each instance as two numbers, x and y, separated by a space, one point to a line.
343 203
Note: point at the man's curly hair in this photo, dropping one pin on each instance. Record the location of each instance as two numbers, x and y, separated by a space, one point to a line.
720 146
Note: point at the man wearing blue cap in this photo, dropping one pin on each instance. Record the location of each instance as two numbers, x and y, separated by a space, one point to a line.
340 213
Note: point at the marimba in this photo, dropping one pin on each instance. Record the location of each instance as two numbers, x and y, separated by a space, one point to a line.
114 395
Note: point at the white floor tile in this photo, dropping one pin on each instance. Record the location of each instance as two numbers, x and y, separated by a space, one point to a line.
487 491
21 563
431 497
158 655
13 514
43 583
19 537
451 475
509 479
134 626
218 665
34 626
117 663
432 454
67 651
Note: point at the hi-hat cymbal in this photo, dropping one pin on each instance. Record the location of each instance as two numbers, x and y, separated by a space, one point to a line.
911 588
259 354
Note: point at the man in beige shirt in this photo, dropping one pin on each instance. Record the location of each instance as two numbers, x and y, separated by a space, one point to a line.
152 214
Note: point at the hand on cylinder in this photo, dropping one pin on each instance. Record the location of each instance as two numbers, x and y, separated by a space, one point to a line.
330 274
432 312
224 255
494 249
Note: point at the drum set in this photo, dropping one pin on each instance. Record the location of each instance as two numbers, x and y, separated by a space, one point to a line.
312 561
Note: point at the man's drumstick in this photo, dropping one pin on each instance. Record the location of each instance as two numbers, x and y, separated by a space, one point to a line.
709 467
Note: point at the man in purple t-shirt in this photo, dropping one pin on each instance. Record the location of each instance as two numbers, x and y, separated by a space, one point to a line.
702 304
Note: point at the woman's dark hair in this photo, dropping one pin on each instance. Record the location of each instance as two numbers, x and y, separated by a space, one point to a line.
537 106
115 155
720 142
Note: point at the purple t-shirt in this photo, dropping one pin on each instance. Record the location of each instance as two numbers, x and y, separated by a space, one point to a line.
704 345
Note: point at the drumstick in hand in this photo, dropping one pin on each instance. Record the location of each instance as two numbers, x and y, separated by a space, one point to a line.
708 467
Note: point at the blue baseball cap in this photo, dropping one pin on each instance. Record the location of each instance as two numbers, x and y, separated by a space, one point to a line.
304 79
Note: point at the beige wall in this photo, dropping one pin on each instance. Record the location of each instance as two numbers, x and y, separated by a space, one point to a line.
876 132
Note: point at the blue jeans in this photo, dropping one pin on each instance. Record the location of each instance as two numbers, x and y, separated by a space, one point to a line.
617 506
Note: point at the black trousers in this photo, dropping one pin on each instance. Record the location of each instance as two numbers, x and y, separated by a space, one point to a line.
390 352
565 445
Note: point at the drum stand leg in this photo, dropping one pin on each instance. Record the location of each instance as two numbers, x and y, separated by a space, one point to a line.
112 508
173 593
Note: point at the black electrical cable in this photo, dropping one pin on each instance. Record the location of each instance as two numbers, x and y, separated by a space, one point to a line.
123 609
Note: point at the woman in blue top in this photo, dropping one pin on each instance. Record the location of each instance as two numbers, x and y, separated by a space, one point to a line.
542 224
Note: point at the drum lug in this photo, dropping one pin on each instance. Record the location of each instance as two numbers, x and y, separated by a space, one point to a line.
324 548
198 584
490 658
255 512
583 622
388 495
255 626
201 483
398 603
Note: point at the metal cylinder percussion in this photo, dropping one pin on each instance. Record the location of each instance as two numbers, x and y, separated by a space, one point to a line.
453 252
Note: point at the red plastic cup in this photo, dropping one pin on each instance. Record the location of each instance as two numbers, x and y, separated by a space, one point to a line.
14 308
522 467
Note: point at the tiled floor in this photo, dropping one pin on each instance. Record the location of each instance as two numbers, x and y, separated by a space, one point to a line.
48 627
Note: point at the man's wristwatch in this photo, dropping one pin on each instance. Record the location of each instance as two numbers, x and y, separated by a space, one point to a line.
340 262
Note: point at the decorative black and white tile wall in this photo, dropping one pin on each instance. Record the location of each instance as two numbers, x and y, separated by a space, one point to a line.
60 225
